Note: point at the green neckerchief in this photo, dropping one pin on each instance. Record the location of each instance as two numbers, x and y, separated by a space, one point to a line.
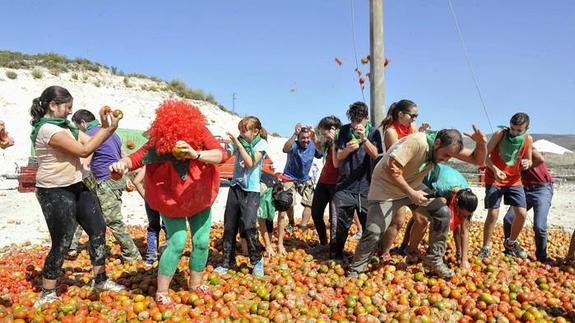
353 135
181 166
249 146
509 147
92 124
327 146
61 122
430 135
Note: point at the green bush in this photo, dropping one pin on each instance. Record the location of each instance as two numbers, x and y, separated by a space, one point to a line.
127 82
37 74
11 75
181 89
74 76
275 134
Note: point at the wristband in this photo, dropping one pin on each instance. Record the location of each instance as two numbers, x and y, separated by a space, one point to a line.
198 157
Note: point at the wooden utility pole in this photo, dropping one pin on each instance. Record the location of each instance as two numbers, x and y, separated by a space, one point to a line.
234 102
377 84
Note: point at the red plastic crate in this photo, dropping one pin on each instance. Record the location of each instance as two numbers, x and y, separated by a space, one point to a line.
27 179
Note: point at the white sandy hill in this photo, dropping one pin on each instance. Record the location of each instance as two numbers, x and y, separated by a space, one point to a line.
91 90
21 218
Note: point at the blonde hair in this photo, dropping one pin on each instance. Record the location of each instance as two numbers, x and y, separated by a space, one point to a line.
252 123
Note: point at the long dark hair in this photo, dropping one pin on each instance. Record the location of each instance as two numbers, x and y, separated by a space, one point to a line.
41 104
394 110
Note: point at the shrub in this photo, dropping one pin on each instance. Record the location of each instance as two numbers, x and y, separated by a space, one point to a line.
127 82
37 74
75 76
11 75
275 134
181 89
98 83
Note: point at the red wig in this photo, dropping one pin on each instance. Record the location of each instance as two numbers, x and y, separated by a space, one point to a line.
176 120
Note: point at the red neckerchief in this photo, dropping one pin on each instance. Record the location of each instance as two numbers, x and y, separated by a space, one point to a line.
402 131
456 218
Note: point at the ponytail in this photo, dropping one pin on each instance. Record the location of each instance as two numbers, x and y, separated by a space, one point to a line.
389 119
264 133
41 104
38 110
394 110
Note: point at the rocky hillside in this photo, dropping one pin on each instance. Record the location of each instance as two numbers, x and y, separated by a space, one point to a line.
24 77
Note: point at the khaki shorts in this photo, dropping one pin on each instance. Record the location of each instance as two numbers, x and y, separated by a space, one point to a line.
304 189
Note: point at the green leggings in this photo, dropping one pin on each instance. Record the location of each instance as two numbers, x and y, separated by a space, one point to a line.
200 225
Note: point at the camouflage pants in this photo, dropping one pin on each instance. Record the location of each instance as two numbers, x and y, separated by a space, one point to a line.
379 215
109 194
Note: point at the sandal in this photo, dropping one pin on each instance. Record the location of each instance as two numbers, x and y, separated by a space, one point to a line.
202 290
163 298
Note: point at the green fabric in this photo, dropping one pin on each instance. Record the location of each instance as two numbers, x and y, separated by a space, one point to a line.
353 135
431 135
509 147
249 146
200 225
61 122
135 135
92 124
267 209
181 166
327 146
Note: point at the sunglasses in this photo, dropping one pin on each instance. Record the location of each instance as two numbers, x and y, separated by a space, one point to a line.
413 116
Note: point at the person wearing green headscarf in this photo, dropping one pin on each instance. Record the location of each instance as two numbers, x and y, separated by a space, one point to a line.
509 152
398 181
64 199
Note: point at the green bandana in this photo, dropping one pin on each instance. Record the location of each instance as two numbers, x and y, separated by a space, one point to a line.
181 166
249 146
353 135
509 147
92 124
431 135
327 145
61 122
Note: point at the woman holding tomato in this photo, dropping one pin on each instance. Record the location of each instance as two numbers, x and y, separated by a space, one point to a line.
63 197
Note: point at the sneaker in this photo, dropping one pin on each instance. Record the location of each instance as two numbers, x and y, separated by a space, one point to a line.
221 270
401 250
357 235
149 263
483 252
46 298
72 254
352 274
319 249
258 270
412 257
439 269
514 249
108 284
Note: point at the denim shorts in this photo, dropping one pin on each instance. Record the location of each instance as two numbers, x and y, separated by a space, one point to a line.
512 195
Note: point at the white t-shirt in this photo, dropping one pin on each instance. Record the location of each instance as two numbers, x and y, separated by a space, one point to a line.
55 168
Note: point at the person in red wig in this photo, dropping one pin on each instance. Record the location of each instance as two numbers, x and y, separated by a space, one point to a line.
181 182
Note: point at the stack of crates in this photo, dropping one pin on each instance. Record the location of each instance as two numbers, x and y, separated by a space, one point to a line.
27 179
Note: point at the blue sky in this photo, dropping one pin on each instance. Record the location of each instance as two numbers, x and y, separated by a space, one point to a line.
522 51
